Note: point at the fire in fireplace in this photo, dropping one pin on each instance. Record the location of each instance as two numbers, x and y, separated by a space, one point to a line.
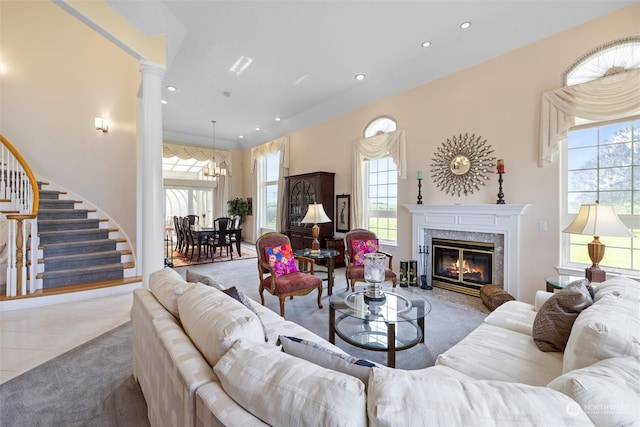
462 266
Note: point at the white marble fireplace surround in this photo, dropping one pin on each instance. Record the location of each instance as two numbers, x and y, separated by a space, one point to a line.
496 220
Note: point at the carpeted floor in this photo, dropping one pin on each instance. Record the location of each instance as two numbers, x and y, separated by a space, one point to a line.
91 385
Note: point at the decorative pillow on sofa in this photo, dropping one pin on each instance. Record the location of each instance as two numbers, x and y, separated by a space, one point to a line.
608 390
239 296
194 277
609 328
166 285
327 358
552 324
361 248
396 397
283 390
282 260
214 322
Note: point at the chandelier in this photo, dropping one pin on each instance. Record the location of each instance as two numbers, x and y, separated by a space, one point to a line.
214 170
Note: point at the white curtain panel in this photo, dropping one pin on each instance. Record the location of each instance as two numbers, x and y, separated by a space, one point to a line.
375 147
607 98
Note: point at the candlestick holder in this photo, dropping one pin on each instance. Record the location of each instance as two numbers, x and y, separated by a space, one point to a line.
500 200
420 191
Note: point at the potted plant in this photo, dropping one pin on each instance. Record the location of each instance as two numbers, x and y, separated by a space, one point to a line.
238 207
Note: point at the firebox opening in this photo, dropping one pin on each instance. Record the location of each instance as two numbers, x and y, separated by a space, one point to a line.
462 266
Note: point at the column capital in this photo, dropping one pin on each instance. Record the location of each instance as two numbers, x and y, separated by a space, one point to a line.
152 67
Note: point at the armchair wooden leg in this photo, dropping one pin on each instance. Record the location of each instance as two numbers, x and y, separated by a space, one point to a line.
261 290
282 306
320 297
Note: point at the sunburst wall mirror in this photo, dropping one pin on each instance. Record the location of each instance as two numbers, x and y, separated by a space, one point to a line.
462 164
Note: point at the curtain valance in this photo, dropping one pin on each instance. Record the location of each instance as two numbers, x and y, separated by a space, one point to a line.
173 149
271 147
607 98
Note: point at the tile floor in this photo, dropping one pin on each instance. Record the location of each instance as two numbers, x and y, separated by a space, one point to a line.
31 336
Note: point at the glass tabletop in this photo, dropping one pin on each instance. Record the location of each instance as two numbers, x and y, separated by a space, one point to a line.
394 308
323 254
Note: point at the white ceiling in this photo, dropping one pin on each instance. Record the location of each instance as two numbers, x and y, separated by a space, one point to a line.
305 54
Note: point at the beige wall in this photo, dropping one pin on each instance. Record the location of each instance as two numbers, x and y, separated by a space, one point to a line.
498 100
58 75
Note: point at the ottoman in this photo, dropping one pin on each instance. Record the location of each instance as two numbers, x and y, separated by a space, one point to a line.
493 296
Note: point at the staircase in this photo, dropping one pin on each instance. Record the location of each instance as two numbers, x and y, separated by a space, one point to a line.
76 247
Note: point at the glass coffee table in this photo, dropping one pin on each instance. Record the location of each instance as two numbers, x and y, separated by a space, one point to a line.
395 324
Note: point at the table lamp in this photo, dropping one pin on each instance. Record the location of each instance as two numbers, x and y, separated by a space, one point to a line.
597 220
315 215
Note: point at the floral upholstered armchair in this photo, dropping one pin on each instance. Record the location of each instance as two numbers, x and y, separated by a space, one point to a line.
357 243
278 270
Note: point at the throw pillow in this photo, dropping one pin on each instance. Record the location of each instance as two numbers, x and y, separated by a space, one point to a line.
282 260
361 248
327 358
194 277
214 322
239 296
166 285
283 390
608 390
552 324
609 328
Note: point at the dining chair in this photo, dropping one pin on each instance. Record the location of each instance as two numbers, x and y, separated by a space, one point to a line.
189 240
278 270
357 243
221 238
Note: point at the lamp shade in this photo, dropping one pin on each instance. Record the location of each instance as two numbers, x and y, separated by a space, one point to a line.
598 220
315 215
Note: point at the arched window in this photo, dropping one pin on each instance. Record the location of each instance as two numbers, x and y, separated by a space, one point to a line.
381 183
601 162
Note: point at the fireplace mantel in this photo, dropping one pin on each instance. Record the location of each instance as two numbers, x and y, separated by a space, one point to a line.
486 218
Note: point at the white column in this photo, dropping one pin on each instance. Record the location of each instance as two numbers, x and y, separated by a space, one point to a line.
150 163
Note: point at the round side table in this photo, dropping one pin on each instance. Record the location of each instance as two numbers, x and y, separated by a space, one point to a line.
559 282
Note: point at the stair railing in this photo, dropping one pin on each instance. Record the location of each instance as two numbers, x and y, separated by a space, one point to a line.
20 198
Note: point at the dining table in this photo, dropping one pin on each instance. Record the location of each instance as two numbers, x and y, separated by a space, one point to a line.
202 232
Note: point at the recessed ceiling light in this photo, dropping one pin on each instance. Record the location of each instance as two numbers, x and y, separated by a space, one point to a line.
465 25
359 76
240 136
164 101
171 88
257 128
426 44
278 119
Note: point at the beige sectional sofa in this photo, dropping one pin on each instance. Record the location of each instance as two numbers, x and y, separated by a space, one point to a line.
207 357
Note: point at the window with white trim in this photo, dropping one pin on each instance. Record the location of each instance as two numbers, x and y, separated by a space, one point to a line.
381 182
268 174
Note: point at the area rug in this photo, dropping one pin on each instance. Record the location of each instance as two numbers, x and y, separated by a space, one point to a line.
452 317
180 261
91 385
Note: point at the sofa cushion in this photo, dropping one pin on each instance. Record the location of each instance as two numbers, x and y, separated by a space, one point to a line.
552 325
282 260
327 358
517 316
284 390
620 286
195 277
166 285
411 398
239 296
214 321
494 353
608 391
609 328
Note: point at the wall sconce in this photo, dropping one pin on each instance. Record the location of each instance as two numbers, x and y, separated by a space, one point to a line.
102 125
